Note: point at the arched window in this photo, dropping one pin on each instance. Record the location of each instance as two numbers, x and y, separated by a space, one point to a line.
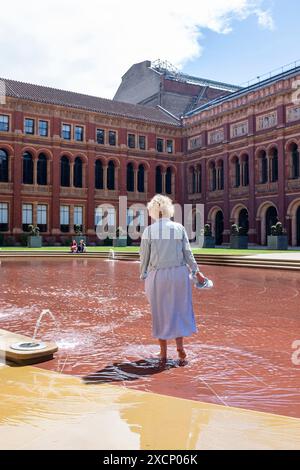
141 179
98 175
199 188
42 170
263 167
244 220
237 168
111 176
65 172
158 180
213 177
220 181
130 177
295 162
219 227
27 168
78 173
271 219
245 175
3 166
193 175
169 181
274 165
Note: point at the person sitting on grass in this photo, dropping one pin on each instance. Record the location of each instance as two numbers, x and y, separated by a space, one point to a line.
74 247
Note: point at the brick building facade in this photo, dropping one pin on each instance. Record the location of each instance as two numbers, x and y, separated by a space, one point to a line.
62 154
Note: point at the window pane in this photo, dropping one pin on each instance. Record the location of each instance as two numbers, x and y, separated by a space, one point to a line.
111 217
29 126
42 214
66 131
27 214
130 216
78 211
64 215
112 138
131 141
142 142
79 133
160 145
4 123
170 146
3 213
43 128
100 136
98 215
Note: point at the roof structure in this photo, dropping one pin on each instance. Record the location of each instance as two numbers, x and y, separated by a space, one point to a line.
54 96
243 91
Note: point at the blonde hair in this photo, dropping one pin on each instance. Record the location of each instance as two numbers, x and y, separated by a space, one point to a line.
160 206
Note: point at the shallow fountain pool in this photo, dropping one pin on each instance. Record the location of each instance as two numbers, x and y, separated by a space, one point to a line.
241 356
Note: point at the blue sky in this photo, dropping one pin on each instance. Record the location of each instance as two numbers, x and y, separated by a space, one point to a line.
88 46
250 50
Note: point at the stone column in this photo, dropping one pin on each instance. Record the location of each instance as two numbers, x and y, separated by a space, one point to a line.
17 185
281 182
54 216
163 176
71 174
135 180
226 198
252 208
35 162
105 167
90 184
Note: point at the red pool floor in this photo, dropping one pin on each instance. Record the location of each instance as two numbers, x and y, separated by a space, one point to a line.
241 356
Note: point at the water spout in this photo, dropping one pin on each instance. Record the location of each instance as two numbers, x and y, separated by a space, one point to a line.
43 313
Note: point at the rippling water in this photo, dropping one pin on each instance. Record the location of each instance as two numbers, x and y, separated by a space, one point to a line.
241 355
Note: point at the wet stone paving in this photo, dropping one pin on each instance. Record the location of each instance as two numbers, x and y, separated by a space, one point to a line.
240 357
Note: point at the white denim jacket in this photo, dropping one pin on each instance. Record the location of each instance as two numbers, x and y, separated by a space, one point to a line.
165 244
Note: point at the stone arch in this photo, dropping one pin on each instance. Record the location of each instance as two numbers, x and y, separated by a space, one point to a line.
211 218
234 216
261 217
292 214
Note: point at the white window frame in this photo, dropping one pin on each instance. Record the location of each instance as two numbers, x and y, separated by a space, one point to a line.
27 214
41 214
78 215
64 214
3 213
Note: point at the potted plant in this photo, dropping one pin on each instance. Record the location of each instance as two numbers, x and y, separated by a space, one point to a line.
78 234
238 238
278 240
207 240
34 240
121 238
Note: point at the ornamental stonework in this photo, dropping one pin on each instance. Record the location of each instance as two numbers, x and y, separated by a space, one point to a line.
239 129
216 137
195 142
266 121
293 114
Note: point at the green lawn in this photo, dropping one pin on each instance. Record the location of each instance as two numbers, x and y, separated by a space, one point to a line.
135 249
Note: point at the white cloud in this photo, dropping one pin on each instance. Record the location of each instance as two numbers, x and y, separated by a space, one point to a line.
265 19
87 46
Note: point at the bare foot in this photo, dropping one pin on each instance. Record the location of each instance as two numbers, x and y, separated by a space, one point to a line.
181 354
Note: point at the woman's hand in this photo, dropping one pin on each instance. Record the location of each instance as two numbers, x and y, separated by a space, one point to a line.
200 278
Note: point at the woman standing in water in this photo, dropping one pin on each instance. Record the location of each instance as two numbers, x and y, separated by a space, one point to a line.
165 254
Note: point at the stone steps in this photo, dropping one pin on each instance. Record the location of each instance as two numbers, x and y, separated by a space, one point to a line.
202 259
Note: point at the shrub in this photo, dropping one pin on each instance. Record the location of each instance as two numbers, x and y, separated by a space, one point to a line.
207 230
277 230
9 241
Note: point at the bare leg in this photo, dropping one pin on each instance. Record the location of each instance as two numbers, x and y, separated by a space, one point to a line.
163 349
180 349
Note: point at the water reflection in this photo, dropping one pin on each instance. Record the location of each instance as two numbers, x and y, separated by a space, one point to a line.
240 357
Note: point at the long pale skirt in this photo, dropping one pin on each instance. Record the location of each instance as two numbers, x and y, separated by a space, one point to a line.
169 293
